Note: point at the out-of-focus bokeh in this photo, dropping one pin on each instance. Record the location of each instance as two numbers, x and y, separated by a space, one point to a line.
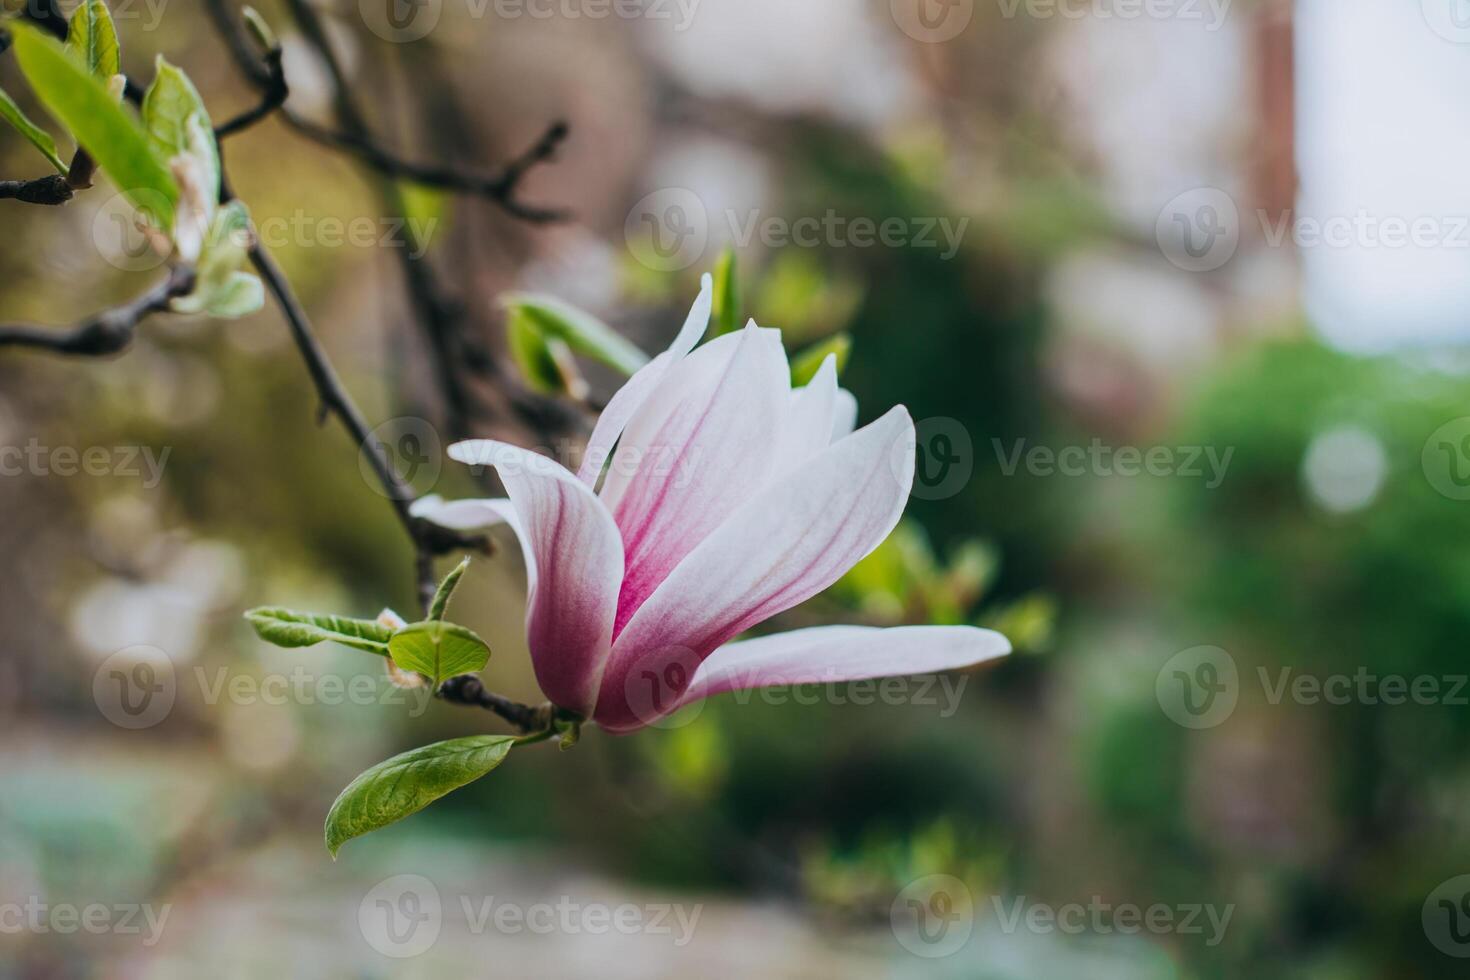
1177 293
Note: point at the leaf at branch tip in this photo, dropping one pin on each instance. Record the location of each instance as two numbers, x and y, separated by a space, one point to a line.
580 330
446 591
804 366
37 136
533 358
108 131
726 294
170 108
288 628
438 650
259 29
92 39
406 783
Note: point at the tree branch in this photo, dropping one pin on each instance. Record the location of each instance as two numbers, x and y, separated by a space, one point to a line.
109 331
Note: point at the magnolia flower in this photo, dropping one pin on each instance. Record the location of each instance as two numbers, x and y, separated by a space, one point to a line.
728 497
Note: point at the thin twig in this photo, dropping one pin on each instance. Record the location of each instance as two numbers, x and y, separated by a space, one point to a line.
109 331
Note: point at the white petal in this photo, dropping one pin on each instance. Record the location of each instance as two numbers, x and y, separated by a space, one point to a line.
463 515
631 396
844 418
835 654
701 445
811 419
795 538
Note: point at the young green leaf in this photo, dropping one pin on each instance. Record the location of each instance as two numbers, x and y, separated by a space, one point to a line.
108 131
446 591
220 288
288 628
169 110
38 137
92 38
405 784
240 295
804 366
581 331
531 354
438 650
726 294
259 29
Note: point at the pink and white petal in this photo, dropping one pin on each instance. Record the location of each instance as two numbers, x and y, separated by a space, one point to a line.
811 419
844 417
704 442
631 396
574 567
791 541
836 654
463 515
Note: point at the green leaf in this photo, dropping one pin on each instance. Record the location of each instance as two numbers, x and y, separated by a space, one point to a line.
221 289
288 628
39 138
93 39
446 590
581 331
406 783
259 29
726 294
108 131
241 295
532 354
804 366
438 650
169 109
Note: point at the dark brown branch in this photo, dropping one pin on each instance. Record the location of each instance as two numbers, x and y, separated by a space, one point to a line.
109 331
274 92
52 189
467 689
500 187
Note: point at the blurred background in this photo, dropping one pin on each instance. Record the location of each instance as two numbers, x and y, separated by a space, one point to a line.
1176 290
